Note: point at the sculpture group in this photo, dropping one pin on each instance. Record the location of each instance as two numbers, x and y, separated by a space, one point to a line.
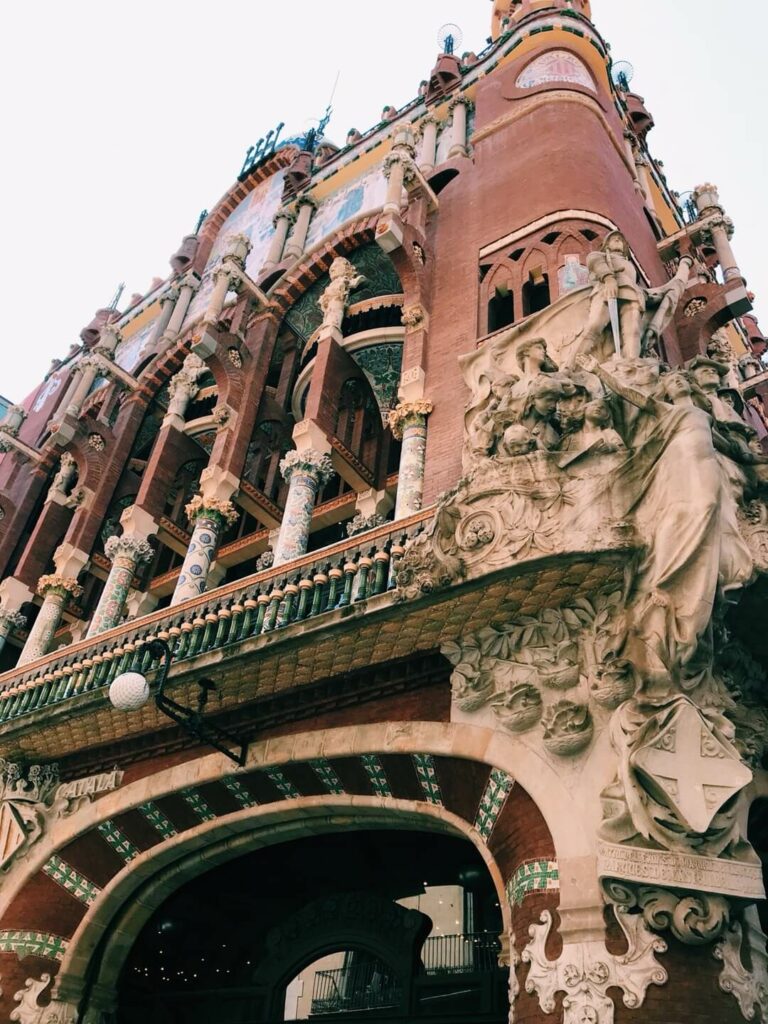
580 439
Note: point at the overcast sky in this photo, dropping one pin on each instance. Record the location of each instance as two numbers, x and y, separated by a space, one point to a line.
123 121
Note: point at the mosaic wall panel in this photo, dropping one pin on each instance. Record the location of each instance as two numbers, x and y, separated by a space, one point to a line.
253 217
134 348
381 365
533 876
352 200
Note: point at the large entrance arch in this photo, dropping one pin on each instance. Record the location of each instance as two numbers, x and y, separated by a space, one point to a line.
227 944
74 908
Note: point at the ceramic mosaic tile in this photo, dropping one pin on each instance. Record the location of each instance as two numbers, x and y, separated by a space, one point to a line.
119 842
532 876
427 775
285 786
327 775
50 947
193 799
157 819
376 774
239 792
496 792
68 878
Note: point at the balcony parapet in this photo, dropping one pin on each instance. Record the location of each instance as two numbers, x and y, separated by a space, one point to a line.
332 578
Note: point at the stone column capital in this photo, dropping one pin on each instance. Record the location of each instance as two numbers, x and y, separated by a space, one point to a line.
306 200
428 118
222 512
135 548
316 464
237 246
399 158
10 621
408 414
190 280
63 586
283 214
461 101
413 316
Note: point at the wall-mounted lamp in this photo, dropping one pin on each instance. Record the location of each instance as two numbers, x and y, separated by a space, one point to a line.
130 691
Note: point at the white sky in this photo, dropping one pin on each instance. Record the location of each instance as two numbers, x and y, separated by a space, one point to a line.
122 122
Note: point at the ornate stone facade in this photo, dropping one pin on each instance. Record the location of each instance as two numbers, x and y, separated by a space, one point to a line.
425 517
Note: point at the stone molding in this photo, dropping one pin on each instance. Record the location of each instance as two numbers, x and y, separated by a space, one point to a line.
749 988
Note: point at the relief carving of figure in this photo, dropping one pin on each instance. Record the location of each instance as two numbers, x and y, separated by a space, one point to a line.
682 511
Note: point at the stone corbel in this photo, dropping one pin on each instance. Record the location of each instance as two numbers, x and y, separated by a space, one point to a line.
107 368
9 430
585 971
416 182
239 275
8 441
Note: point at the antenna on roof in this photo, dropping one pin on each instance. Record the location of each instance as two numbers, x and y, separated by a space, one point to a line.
200 221
118 294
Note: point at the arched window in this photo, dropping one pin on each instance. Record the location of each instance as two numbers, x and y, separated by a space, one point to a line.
501 308
536 292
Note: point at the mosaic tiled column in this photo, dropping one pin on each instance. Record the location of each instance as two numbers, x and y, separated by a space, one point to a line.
126 554
305 472
56 591
210 517
8 622
409 424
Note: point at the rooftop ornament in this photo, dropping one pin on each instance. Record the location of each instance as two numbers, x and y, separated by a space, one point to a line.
130 691
264 148
450 38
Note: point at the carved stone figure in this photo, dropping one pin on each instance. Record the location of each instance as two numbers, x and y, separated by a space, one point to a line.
65 477
184 385
335 298
617 301
635 316
679 504
538 413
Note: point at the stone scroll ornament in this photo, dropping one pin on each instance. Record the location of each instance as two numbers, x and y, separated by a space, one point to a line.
585 971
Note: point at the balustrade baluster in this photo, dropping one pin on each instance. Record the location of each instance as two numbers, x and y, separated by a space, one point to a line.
274 606
335 575
305 591
319 594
